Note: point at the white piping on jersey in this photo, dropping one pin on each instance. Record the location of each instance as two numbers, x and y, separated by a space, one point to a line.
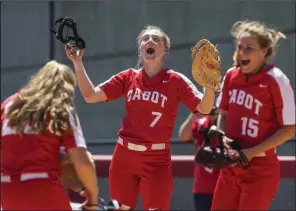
136 71
189 83
77 132
7 107
6 130
288 98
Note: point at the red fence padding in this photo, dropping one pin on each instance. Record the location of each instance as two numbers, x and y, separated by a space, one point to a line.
183 166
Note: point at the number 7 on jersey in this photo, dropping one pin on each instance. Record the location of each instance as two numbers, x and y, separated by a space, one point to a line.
156 119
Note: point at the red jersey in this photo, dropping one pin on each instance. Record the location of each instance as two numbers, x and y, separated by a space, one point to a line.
205 179
30 152
151 104
257 107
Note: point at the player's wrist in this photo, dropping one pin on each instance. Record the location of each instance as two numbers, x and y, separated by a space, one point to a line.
93 197
93 201
77 63
209 90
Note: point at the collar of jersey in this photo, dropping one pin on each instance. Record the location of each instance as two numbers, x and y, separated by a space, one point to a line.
256 77
155 79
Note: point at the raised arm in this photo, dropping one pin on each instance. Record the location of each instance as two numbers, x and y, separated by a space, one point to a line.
194 99
90 93
206 104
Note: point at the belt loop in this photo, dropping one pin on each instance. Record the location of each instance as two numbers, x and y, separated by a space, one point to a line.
28 176
120 141
141 147
158 146
5 179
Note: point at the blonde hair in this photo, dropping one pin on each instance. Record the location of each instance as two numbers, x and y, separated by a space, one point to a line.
49 94
165 37
267 37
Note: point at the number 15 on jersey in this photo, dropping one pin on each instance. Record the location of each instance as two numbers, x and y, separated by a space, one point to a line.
250 127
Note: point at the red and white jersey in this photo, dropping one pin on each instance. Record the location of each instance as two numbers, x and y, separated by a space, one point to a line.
257 107
151 104
205 179
31 152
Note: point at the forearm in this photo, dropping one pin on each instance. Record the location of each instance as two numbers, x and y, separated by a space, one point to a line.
85 85
282 135
221 121
185 131
87 174
207 102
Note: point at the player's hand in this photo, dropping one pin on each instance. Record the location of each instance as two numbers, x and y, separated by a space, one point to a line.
74 56
226 142
91 202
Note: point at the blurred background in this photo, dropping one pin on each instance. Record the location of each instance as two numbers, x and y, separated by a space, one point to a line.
110 28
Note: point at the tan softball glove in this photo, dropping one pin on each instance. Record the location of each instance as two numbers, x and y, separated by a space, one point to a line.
206 65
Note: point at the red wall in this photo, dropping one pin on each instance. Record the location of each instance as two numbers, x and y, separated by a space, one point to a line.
183 166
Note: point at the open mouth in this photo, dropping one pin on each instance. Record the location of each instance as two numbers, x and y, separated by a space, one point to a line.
245 62
150 51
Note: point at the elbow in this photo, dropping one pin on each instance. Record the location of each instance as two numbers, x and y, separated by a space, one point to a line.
96 96
185 138
91 98
88 99
88 96
291 130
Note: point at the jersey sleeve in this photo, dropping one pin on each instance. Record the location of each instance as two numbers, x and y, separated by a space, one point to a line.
222 101
115 86
283 98
2 118
4 108
74 138
188 93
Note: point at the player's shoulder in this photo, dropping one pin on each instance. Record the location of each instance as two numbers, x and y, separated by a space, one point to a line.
8 101
128 72
232 71
276 78
175 76
131 71
202 122
276 73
